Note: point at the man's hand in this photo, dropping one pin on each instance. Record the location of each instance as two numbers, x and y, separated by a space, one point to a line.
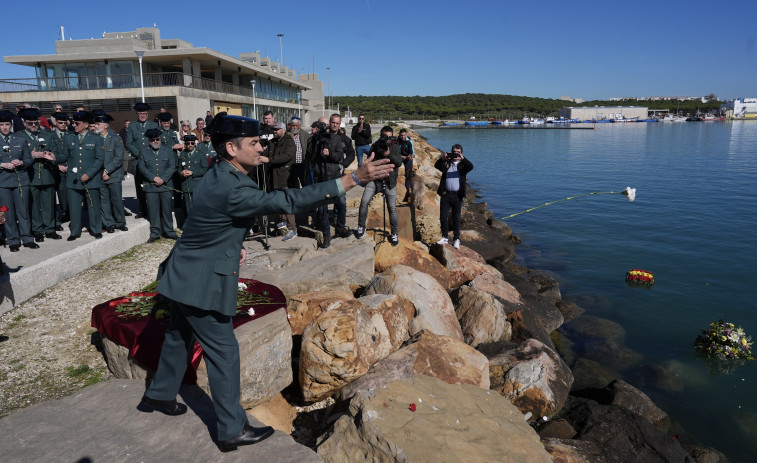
38 154
158 181
49 155
106 177
84 178
8 166
370 170
17 162
63 168
186 173
242 257
325 152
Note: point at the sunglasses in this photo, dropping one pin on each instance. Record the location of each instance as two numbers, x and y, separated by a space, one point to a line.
32 122
155 139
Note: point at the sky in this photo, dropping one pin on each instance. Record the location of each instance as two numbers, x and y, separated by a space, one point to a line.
582 49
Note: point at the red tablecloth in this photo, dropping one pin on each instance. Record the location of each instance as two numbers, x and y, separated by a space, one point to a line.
144 336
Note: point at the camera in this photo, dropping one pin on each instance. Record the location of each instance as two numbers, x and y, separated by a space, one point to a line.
266 134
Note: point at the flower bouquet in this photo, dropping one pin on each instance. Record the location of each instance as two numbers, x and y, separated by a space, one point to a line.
636 277
724 341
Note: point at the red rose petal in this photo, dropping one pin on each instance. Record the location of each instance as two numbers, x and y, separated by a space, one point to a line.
412 407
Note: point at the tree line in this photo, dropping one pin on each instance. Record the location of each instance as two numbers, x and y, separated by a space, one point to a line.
482 105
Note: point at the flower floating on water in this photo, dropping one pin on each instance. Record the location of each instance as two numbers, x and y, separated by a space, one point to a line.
725 342
638 277
630 193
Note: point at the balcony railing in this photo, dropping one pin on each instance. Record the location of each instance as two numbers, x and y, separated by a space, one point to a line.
167 79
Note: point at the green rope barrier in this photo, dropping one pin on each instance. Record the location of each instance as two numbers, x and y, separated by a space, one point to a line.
626 192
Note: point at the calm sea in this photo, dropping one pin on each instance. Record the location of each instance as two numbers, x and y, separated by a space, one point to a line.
693 224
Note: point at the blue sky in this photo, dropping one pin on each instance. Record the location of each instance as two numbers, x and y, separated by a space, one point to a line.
584 49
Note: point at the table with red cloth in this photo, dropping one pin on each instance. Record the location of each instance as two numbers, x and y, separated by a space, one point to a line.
143 336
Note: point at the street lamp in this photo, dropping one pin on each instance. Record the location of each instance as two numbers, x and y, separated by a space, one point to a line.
281 48
254 105
329 86
299 105
141 53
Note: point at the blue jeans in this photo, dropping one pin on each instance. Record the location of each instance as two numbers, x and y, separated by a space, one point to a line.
360 151
390 196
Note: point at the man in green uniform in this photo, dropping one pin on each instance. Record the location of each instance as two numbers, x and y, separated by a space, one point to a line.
83 155
200 275
135 142
169 137
111 192
61 130
192 166
15 158
157 164
45 146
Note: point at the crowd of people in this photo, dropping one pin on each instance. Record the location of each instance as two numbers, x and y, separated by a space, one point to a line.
52 169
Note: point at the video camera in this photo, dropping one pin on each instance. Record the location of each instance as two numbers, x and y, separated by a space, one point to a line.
266 134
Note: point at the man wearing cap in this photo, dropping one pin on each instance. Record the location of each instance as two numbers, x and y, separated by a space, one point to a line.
15 158
170 137
193 164
301 139
157 164
206 147
135 142
83 154
61 130
281 156
200 275
45 147
111 191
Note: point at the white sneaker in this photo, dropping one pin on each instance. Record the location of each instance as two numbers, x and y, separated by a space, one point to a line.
443 241
360 232
456 244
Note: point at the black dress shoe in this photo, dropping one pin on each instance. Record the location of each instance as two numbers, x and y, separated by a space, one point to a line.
73 237
14 247
153 239
171 237
53 236
123 228
248 436
169 407
138 216
111 229
31 245
39 237
97 235
58 228
127 213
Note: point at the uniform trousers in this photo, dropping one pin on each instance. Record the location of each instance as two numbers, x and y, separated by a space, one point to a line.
112 204
17 226
43 209
60 187
215 333
159 213
94 211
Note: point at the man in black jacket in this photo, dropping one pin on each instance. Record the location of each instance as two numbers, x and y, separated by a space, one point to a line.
361 133
333 153
454 168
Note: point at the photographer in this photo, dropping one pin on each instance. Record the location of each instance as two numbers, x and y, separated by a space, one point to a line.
385 147
454 167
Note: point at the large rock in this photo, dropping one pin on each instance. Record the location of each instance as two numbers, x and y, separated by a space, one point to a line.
375 219
482 317
463 264
573 451
624 395
427 354
104 423
497 287
433 307
265 353
343 342
410 254
451 423
535 318
303 308
602 340
427 226
121 364
621 434
533 376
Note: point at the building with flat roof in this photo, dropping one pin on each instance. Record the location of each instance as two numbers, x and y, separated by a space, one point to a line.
106 73
604 112
740 108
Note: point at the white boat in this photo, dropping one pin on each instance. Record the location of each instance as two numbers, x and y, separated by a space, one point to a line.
671 118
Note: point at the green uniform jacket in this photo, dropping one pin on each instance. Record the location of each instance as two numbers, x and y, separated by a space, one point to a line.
169 137
161 163
136 140
207 148
203 266
197 162
43 172
113 163
17 149
85 157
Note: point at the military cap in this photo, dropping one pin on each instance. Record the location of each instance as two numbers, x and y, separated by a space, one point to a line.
234 126
189 138
59 116
29 114
152 133
101 117
165 117
82 116
139 107
6 116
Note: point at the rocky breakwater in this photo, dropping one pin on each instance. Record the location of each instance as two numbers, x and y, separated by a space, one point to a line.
424 352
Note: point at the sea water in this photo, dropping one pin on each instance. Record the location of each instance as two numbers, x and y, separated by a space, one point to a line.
693 224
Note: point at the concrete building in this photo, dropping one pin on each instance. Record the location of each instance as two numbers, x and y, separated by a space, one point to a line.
740 108
106 73
604 112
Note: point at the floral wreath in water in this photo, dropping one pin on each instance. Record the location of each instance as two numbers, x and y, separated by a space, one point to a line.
636 277
723 341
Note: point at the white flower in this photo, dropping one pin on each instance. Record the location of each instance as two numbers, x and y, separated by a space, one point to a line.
630 192
75 170
6 148
241 285
183 163
41 140
251 312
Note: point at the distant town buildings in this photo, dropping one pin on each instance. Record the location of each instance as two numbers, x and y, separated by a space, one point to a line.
122 68
574 100
604 113
703 99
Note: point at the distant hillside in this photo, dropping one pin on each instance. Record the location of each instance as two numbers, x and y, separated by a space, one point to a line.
483 106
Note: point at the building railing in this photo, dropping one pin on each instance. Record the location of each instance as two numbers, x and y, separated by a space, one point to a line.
117 81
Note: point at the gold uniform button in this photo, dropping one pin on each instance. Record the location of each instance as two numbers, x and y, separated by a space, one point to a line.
235 273
328 195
